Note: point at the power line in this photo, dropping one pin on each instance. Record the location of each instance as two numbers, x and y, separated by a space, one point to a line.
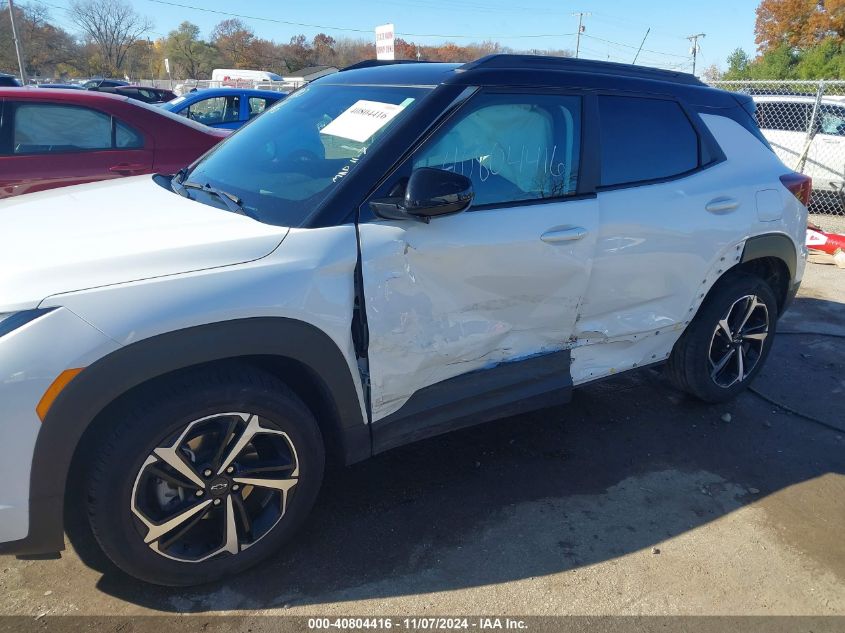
369 31
627 23
326 27
633 46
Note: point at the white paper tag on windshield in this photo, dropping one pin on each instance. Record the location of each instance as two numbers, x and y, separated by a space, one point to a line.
363 119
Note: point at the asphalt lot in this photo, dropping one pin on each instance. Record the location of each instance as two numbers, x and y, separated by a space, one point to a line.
634 499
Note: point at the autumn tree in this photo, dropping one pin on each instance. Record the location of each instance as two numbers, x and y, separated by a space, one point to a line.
191 57
351 51
267 55
49 49
403 49
113 26
798 23
298 53
234 39
323 47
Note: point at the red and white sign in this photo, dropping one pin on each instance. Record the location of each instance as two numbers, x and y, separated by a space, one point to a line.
384 42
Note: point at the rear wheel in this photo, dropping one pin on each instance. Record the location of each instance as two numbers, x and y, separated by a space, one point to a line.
205 477
728 341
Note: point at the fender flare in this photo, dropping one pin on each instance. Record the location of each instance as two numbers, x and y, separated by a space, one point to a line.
775 245
99 384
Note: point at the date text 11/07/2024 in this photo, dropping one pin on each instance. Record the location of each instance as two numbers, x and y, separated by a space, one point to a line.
418 624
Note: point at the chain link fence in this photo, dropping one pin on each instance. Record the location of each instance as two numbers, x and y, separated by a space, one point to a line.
804 122
183 86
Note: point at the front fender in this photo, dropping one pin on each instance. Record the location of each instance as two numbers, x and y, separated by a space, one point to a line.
105 380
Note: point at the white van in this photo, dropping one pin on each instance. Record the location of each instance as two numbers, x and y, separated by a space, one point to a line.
815 148
238 74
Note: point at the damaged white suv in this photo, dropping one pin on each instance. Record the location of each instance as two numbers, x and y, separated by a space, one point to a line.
392 252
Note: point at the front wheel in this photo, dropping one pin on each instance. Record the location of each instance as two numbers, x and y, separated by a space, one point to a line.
728 341
204 477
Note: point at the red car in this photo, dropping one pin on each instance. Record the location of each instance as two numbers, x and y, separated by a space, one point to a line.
53 138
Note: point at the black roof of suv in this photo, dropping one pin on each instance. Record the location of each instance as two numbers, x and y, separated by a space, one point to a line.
537 71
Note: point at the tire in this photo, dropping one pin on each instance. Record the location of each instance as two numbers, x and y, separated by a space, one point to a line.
694 364
240 425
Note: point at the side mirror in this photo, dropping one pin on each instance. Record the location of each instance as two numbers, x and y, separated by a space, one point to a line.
429 193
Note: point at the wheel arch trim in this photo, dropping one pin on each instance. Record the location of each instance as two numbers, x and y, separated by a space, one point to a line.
778 245
104 381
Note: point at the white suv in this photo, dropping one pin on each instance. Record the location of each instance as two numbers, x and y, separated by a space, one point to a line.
389 253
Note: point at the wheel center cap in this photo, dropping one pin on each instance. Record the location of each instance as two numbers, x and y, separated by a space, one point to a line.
219 487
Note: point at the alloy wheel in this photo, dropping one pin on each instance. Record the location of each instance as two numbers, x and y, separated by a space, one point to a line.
215 490
737 343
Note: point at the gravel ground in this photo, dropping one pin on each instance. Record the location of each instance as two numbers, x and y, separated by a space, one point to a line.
634 499
828 222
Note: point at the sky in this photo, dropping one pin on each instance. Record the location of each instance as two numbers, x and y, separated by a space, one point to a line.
613 28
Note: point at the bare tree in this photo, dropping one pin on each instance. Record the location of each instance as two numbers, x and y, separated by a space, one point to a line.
112 25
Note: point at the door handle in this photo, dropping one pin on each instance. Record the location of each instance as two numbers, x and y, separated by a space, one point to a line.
722 205
127 169
555 236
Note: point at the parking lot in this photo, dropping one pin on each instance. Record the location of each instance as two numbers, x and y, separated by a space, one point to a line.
634 499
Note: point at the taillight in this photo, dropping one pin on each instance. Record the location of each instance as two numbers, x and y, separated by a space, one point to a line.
800 186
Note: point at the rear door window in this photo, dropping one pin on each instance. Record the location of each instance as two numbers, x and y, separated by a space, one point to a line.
514 147
216 110
644 140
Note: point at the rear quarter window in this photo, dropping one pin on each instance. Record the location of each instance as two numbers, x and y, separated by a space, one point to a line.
644 140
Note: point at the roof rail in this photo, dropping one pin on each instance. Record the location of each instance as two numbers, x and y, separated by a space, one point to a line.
570 64
370 63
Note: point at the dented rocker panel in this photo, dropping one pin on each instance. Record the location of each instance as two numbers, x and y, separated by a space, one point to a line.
475 397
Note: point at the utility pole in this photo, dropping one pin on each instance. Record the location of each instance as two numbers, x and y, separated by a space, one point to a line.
694 40
581 15
18 46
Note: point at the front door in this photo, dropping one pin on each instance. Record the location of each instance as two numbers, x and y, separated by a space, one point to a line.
500 282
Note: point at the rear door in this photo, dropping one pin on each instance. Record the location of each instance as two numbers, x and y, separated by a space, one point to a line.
669 205
497 283
53 145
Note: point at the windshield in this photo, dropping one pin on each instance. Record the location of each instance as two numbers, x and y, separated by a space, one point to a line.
285 163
